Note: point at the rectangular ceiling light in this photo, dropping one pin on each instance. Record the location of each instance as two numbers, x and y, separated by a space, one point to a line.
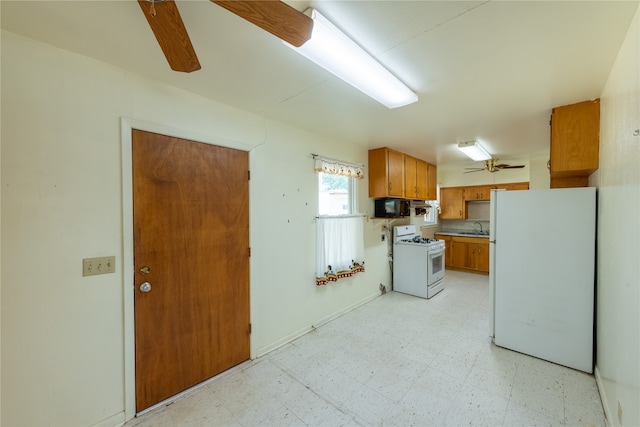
474 150
335 52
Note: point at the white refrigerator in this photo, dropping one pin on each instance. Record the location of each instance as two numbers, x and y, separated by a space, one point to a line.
542 272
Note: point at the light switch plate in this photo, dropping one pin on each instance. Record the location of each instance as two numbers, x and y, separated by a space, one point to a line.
99 265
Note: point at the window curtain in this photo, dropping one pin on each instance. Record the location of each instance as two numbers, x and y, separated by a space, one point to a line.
340 248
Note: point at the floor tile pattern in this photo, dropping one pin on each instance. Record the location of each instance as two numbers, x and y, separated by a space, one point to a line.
396 361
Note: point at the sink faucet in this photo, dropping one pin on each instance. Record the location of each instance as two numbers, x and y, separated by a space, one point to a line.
479 225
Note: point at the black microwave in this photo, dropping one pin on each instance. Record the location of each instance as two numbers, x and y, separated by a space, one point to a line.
392 208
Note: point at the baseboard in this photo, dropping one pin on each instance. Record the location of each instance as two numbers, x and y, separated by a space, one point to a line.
113 421
302 331
603 397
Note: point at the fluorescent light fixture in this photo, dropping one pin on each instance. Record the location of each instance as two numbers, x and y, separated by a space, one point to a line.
335 52
474 150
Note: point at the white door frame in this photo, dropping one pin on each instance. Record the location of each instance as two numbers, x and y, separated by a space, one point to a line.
126 126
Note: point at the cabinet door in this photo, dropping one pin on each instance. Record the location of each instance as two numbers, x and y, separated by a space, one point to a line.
459 254
451 203
479 192
515 186
395 162
386 173
479 256
432 181
470 193
575 133
410 182
421 180
482 261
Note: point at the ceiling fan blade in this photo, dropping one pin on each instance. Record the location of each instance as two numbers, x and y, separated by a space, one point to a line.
171 34
510 167
274 16
475 170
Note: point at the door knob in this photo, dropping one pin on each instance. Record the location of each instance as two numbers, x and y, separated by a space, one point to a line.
145 287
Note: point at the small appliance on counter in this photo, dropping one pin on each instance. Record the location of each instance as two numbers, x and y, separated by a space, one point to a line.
418 263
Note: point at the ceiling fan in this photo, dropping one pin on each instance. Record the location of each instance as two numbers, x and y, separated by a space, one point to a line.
274 16
492 165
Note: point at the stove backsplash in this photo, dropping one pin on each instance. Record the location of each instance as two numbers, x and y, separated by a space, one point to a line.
463 225
478 211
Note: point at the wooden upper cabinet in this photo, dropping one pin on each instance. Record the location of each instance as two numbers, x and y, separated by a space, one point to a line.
514 186
415 178
421 180
386 173
410 180
395 174
451 203
432 181
575 134
453 200
482 192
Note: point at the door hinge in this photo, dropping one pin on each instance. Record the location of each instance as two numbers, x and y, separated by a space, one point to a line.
249 175
249 328
249 252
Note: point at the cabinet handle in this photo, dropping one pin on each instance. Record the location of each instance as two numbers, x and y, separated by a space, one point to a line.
389 187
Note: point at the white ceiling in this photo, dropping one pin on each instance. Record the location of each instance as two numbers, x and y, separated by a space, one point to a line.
482 70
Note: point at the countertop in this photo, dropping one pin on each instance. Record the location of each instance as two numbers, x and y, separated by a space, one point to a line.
484 234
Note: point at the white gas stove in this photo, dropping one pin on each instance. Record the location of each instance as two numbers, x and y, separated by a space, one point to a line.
406 235
418 263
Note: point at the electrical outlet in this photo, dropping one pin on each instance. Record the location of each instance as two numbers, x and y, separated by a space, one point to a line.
99 265
619 412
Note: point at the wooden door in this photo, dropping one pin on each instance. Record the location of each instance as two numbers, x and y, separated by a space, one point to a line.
191 244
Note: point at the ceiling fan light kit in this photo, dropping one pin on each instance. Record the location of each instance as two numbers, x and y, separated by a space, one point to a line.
474 150
335 52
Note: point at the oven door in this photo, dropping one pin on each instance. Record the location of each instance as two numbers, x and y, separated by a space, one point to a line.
435 266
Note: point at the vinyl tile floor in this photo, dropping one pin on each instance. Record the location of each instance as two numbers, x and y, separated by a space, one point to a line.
398 360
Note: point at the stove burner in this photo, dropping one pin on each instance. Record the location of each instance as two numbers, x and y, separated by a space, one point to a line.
418 239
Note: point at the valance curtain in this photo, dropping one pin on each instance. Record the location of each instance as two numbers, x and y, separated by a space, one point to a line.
337 167
340 248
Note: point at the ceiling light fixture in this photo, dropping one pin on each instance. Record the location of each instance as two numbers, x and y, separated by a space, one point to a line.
474 150
335 52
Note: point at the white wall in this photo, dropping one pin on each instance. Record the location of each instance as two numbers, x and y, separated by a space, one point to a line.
66 340
535 172
618 182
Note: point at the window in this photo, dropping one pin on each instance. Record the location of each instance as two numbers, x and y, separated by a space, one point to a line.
339 231
336 194
336 186
431 212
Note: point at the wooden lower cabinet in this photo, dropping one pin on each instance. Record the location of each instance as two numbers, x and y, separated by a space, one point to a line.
479 256
459 253
467 253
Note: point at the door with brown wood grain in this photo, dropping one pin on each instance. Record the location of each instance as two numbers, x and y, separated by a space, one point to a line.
191 262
